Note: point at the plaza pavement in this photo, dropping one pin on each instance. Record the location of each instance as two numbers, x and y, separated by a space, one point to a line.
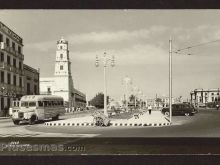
155 119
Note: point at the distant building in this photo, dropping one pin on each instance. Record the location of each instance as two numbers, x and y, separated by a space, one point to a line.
12 71
199 97
62 83
164 101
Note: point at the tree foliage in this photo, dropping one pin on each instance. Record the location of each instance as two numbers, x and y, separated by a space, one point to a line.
98 100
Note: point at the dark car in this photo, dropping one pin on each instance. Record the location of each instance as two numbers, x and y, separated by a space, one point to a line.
180 109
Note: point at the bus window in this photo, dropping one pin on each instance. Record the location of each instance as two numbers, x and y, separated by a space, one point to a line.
45 103
49 103
55 103
24 104
40 103
61 103
32 104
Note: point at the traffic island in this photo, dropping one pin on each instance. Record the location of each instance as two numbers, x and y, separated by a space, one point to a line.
155 119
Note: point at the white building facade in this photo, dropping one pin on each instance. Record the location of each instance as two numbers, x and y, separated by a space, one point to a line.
200 97
62 83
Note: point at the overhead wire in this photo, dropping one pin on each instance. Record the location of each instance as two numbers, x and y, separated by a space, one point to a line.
197 45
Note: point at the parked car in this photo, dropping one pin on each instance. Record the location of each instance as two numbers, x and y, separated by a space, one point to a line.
180 109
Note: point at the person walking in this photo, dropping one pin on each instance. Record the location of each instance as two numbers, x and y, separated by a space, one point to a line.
217 106
149 109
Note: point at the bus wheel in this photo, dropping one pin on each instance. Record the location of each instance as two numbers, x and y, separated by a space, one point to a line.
167 113
32 120
16 122
55 118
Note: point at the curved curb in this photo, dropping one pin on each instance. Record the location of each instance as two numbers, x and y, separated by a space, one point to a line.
111 124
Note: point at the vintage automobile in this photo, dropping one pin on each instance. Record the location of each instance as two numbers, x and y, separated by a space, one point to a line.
180 109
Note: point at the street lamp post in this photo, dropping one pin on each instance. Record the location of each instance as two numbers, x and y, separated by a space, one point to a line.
170 78
105 63
126 81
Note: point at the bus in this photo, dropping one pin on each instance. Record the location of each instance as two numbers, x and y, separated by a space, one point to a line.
33 108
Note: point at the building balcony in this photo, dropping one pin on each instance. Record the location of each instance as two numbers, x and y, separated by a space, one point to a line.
11 68
10 50
10 90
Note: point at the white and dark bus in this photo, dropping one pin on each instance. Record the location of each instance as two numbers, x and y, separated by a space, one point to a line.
33 108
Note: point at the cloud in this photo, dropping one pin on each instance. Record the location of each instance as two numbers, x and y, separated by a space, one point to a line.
137 54
101 37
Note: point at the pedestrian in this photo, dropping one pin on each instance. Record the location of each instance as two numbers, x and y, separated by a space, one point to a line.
217 106
149 109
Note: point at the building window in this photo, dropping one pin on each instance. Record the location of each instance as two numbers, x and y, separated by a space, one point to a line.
200 99
8 103
2 57
28 88
19 49
7 42
19 64
13 45
2 103
212 99
61 56
61 67
2 77
61 47
1 38
9 78
35 89
48 90
14 62
14 79
217 93
8 60
20 82
212 93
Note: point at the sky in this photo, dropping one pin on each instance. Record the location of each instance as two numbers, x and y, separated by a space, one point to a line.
139 40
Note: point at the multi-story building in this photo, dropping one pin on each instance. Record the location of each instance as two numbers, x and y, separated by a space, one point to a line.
62 83
31 80
11 65
12 72
200 97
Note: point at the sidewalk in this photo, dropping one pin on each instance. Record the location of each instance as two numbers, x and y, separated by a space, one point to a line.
155 119
1 118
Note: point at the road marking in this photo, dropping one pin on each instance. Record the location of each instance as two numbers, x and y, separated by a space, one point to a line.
18 135
66 135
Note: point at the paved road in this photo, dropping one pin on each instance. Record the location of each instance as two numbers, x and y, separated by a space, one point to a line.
204 124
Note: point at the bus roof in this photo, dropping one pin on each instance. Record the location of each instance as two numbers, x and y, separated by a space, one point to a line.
40 97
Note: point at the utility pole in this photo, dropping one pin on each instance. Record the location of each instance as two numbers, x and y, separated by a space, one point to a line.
170 78
105 64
